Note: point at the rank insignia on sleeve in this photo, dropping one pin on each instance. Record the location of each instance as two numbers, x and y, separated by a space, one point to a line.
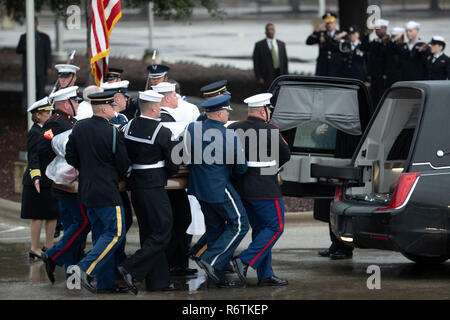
49 134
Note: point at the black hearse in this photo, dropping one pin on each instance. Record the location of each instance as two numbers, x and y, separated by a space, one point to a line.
396 193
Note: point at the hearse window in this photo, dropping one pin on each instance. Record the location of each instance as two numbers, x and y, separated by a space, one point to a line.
315 136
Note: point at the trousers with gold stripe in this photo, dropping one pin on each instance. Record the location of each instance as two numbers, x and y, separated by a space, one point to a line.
108 231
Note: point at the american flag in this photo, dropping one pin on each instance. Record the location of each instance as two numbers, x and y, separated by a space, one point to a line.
104 15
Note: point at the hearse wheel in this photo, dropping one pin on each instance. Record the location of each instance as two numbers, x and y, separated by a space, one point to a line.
426 259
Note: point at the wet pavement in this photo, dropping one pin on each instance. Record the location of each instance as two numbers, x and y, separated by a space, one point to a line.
294 258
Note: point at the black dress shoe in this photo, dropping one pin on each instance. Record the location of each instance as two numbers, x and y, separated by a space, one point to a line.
209 269
33 255
115 289
240 268
273 281
128 278
179 271
326 253
340 255
222 284
50 266
86 282
44 249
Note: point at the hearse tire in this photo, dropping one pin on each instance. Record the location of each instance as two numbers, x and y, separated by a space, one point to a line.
426 260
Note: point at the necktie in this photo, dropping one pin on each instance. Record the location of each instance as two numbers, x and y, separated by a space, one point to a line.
274 56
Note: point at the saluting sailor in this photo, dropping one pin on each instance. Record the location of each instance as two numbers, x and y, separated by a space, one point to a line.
260 191
149 146
69 249
97 150
119 88
209 181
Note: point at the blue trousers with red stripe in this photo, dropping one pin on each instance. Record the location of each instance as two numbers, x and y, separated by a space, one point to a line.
108 232
266 218
69 249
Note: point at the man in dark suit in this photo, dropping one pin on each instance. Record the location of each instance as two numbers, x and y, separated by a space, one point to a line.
269 59
43 63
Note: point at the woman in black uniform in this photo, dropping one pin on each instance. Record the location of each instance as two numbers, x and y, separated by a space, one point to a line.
38 204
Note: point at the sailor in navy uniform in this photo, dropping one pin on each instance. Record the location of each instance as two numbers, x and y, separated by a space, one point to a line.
119 88
438 64
209 181
149 146
97 150
114 75
393 59
69 249
354 56
260 191
329 61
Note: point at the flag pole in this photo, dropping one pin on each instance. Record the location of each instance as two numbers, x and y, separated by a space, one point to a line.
104 70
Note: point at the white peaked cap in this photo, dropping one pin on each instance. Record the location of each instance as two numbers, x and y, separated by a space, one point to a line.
438 38
115 85
164 87
397 30
258 100
41 103
64 94
381 23
150 95
64 68
412 25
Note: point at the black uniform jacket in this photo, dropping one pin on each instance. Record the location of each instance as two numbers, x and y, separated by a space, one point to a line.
413 65
253 185
149 142
263 63
58 123
354 63
440 69
101 158
376 61
329 61
394 64
33 171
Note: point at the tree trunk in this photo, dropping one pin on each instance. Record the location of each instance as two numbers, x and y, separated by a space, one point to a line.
352 12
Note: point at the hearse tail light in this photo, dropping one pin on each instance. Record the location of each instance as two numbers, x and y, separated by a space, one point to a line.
338 194
402 189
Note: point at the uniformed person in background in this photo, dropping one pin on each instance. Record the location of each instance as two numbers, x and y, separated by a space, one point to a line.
119 88
149 146
69 249
178 248
114 75
97 150
377 60
413 66
354 64
393 60
157 73
38 203
260 192
437 62
209 181
327 36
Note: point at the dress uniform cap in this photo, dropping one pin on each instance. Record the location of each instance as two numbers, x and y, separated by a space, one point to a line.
215 89
216 104
412 25
352 29
259 100
397 30
120 86
150 95
64 94
105 97
164 87
157 70
114 73
41 105
381 23
329 17
64 69
438 40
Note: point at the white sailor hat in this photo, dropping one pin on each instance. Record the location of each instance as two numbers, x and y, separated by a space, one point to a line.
64 94
259 100
397 30
164 87
412 25
150 95
66 69
41 105
381 23
120 86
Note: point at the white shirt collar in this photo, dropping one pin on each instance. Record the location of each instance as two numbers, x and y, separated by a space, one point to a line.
142 116
440 54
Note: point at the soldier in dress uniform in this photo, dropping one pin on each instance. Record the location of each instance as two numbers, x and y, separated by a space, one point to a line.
157 73
329 61
38 203
114 75
149 146
354 64
120 98
69 249
97 150
213 90
209 181
438 63
260 192
177 251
